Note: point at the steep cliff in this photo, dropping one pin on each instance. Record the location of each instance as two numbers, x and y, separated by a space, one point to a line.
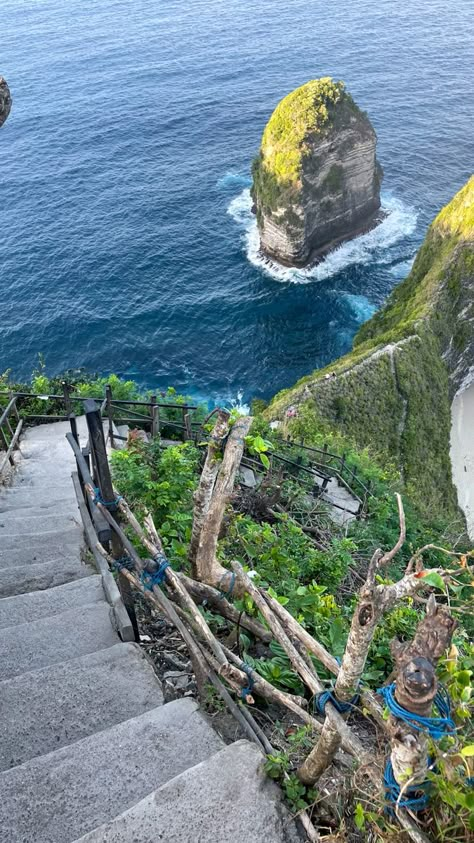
393 392
316 180
5 100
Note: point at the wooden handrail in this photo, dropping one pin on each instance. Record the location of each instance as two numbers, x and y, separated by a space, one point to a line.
100 398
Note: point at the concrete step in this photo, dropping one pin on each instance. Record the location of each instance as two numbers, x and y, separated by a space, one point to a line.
59 797
44 545
50 431
59 638
21 578
25 608
19 500
25 523
53 707
226 798
20 556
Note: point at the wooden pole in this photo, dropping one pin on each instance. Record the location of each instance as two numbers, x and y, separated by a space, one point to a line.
110 413
104 482
153 409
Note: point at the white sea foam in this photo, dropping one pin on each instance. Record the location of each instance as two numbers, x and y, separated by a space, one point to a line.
231 179
362 309
399 222
236 403
401 270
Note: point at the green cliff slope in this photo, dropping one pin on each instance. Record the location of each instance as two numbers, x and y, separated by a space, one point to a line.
393 391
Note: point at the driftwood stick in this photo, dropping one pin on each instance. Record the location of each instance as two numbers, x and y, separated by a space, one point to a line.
364 622
215 600
350 741
317 649
206 567
280 635
173 579
203 494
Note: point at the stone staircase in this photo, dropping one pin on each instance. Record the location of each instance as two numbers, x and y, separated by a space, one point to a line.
88 751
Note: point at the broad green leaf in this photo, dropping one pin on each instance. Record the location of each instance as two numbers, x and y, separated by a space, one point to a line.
434 579
468 751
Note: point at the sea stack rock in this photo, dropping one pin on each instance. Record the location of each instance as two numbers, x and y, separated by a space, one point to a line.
5 100
316 180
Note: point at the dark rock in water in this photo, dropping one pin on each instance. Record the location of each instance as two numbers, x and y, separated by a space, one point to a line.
316 181
5 100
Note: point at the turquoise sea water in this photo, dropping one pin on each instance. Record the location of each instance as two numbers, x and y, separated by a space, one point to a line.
126 238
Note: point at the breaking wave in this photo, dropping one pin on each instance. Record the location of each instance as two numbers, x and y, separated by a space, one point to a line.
365 249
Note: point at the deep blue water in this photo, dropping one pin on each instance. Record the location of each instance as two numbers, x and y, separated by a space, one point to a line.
126 243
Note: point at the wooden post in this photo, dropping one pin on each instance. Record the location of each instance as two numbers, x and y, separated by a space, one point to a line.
108 404
7 445
67 398
153 409
188 431
184 423
104 482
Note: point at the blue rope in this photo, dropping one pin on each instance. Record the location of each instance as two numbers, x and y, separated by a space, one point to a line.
322 699
248 688
123 562
436 727
415 798
109 504
152 578
228 593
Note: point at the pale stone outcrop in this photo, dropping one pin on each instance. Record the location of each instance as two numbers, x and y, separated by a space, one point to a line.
317 179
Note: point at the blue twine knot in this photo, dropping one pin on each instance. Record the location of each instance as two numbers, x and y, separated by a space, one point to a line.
436 727
321 700
109 504
245 692
416 798
228 593
123 562
157 576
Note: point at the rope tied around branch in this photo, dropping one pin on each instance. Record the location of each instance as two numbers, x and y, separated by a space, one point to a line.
436 727
415 798
123 562
321 700
108 504
245 692
155 577
229 592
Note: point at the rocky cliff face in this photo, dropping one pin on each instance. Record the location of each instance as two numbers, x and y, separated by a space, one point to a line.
5 100
316 180
393 392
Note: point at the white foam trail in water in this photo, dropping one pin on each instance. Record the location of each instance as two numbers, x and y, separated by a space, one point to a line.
362 309
236 403
401 270
399 222
234 180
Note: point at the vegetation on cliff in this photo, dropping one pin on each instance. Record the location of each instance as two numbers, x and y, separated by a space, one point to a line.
392 393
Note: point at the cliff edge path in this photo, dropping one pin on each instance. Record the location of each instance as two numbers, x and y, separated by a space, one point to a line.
88 751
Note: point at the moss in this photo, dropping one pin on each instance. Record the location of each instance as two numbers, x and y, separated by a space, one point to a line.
308 111
392 392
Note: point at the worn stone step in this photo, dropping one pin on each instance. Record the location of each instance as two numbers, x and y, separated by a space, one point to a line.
26 523
25 608
18 500
27 555
59 797
21 578
60 638
52 544
51 430
46 709
226 798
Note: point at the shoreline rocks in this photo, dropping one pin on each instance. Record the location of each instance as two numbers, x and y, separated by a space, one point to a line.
316 180
5 100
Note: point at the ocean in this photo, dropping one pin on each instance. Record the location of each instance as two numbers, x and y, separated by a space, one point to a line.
127 243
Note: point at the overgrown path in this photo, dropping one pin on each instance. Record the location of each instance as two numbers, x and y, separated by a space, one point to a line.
88 751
